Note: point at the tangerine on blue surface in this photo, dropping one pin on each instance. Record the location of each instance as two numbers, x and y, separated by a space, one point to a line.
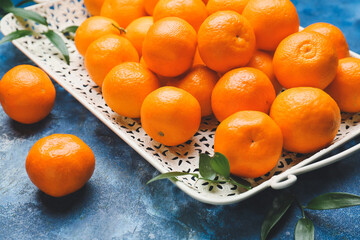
117 204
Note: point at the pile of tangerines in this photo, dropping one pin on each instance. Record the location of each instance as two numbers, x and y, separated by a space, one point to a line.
171 62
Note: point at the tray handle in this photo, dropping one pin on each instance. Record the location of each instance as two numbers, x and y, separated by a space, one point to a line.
288 178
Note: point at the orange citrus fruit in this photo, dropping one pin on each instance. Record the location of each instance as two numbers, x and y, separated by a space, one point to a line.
334 34
199 82
308 117
126 86
166 81
170 115
169 46
92 29
197 59
137 30
251 141
107 52
150 5
142 62
123 11
345 89
272 20
60 164
305 59
94 6
226 40
27 94
221 5
264 62
242 89
192 11
162 80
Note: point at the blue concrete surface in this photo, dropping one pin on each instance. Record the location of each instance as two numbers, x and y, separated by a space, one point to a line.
116 203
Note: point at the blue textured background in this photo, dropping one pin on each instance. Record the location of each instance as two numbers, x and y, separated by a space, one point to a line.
116 204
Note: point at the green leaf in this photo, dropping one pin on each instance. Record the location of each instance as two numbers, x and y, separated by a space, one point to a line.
6 4
241 181
304 229
245 185
168 175
279 207
220 164
205 168
174 179
15 35
23 13
23 2
70 29
333 201
59 44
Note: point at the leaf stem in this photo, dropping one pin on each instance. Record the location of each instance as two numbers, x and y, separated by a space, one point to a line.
301 207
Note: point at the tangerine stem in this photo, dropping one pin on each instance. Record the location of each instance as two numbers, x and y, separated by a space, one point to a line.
121 30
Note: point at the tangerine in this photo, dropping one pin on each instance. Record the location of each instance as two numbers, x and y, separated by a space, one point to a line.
334 34
170 115
308 117
199 82
92 29
192 11
345 89
60 164
169 47
226 40
251 141
305 59
264 62
126 86
272 20
123 11
27 94
150 5
242 89
107 52
94 6
222 5
137 30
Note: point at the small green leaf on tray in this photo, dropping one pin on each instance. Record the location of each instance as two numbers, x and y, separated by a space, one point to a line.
304 229
242 183
23 13
70 29
333 201
205 169
15 35
279 207
24 2
59 44
168 175
220 164
6 4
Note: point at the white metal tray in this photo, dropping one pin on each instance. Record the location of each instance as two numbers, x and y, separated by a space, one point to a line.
75 79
